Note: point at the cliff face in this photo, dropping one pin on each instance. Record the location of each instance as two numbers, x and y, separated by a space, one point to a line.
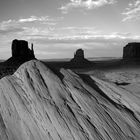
131 51
35 104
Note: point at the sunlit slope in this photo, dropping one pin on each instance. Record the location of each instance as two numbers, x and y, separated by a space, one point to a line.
35 104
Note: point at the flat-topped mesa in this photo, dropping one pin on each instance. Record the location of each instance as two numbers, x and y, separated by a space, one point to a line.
20 49
20 53
131 51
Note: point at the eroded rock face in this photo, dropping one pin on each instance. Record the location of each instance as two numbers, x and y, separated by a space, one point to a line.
131 51
20 49
35 104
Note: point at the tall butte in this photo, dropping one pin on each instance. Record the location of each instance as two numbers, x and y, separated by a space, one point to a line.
79 59
20 52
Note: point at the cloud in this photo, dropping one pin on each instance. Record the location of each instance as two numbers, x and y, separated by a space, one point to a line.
89 42
85 38
31 19
65 40
95 45
132 12
76 35
80 30
28 26
11 30
58 33
86 4
42 20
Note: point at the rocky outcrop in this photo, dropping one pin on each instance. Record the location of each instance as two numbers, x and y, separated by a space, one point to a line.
36 104
20 53
131 51
79 59
20 48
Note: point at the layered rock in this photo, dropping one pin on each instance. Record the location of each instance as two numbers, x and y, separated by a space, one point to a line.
131 51
36 104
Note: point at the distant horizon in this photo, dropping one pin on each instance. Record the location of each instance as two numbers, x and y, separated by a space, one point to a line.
70 58
58 28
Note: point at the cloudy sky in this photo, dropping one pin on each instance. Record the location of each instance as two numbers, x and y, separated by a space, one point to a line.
59 27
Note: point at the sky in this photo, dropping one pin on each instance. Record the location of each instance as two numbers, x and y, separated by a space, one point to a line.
57 28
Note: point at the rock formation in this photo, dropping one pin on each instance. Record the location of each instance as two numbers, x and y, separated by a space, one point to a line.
79 55
79 59
20 49
36 104
131 51
20 53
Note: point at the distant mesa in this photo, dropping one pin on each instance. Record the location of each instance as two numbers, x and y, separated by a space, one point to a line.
79 59
131 51
21 52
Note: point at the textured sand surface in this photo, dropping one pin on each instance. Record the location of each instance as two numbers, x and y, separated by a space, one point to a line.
35 104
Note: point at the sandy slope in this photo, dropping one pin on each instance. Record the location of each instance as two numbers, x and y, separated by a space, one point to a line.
35 104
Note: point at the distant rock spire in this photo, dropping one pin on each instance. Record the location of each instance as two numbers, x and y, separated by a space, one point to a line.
79 54
79 59
32 47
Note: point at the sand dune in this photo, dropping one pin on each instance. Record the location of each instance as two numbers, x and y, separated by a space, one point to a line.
37 104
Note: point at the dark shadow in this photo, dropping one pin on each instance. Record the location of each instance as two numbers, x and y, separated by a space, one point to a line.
89 81
121 84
